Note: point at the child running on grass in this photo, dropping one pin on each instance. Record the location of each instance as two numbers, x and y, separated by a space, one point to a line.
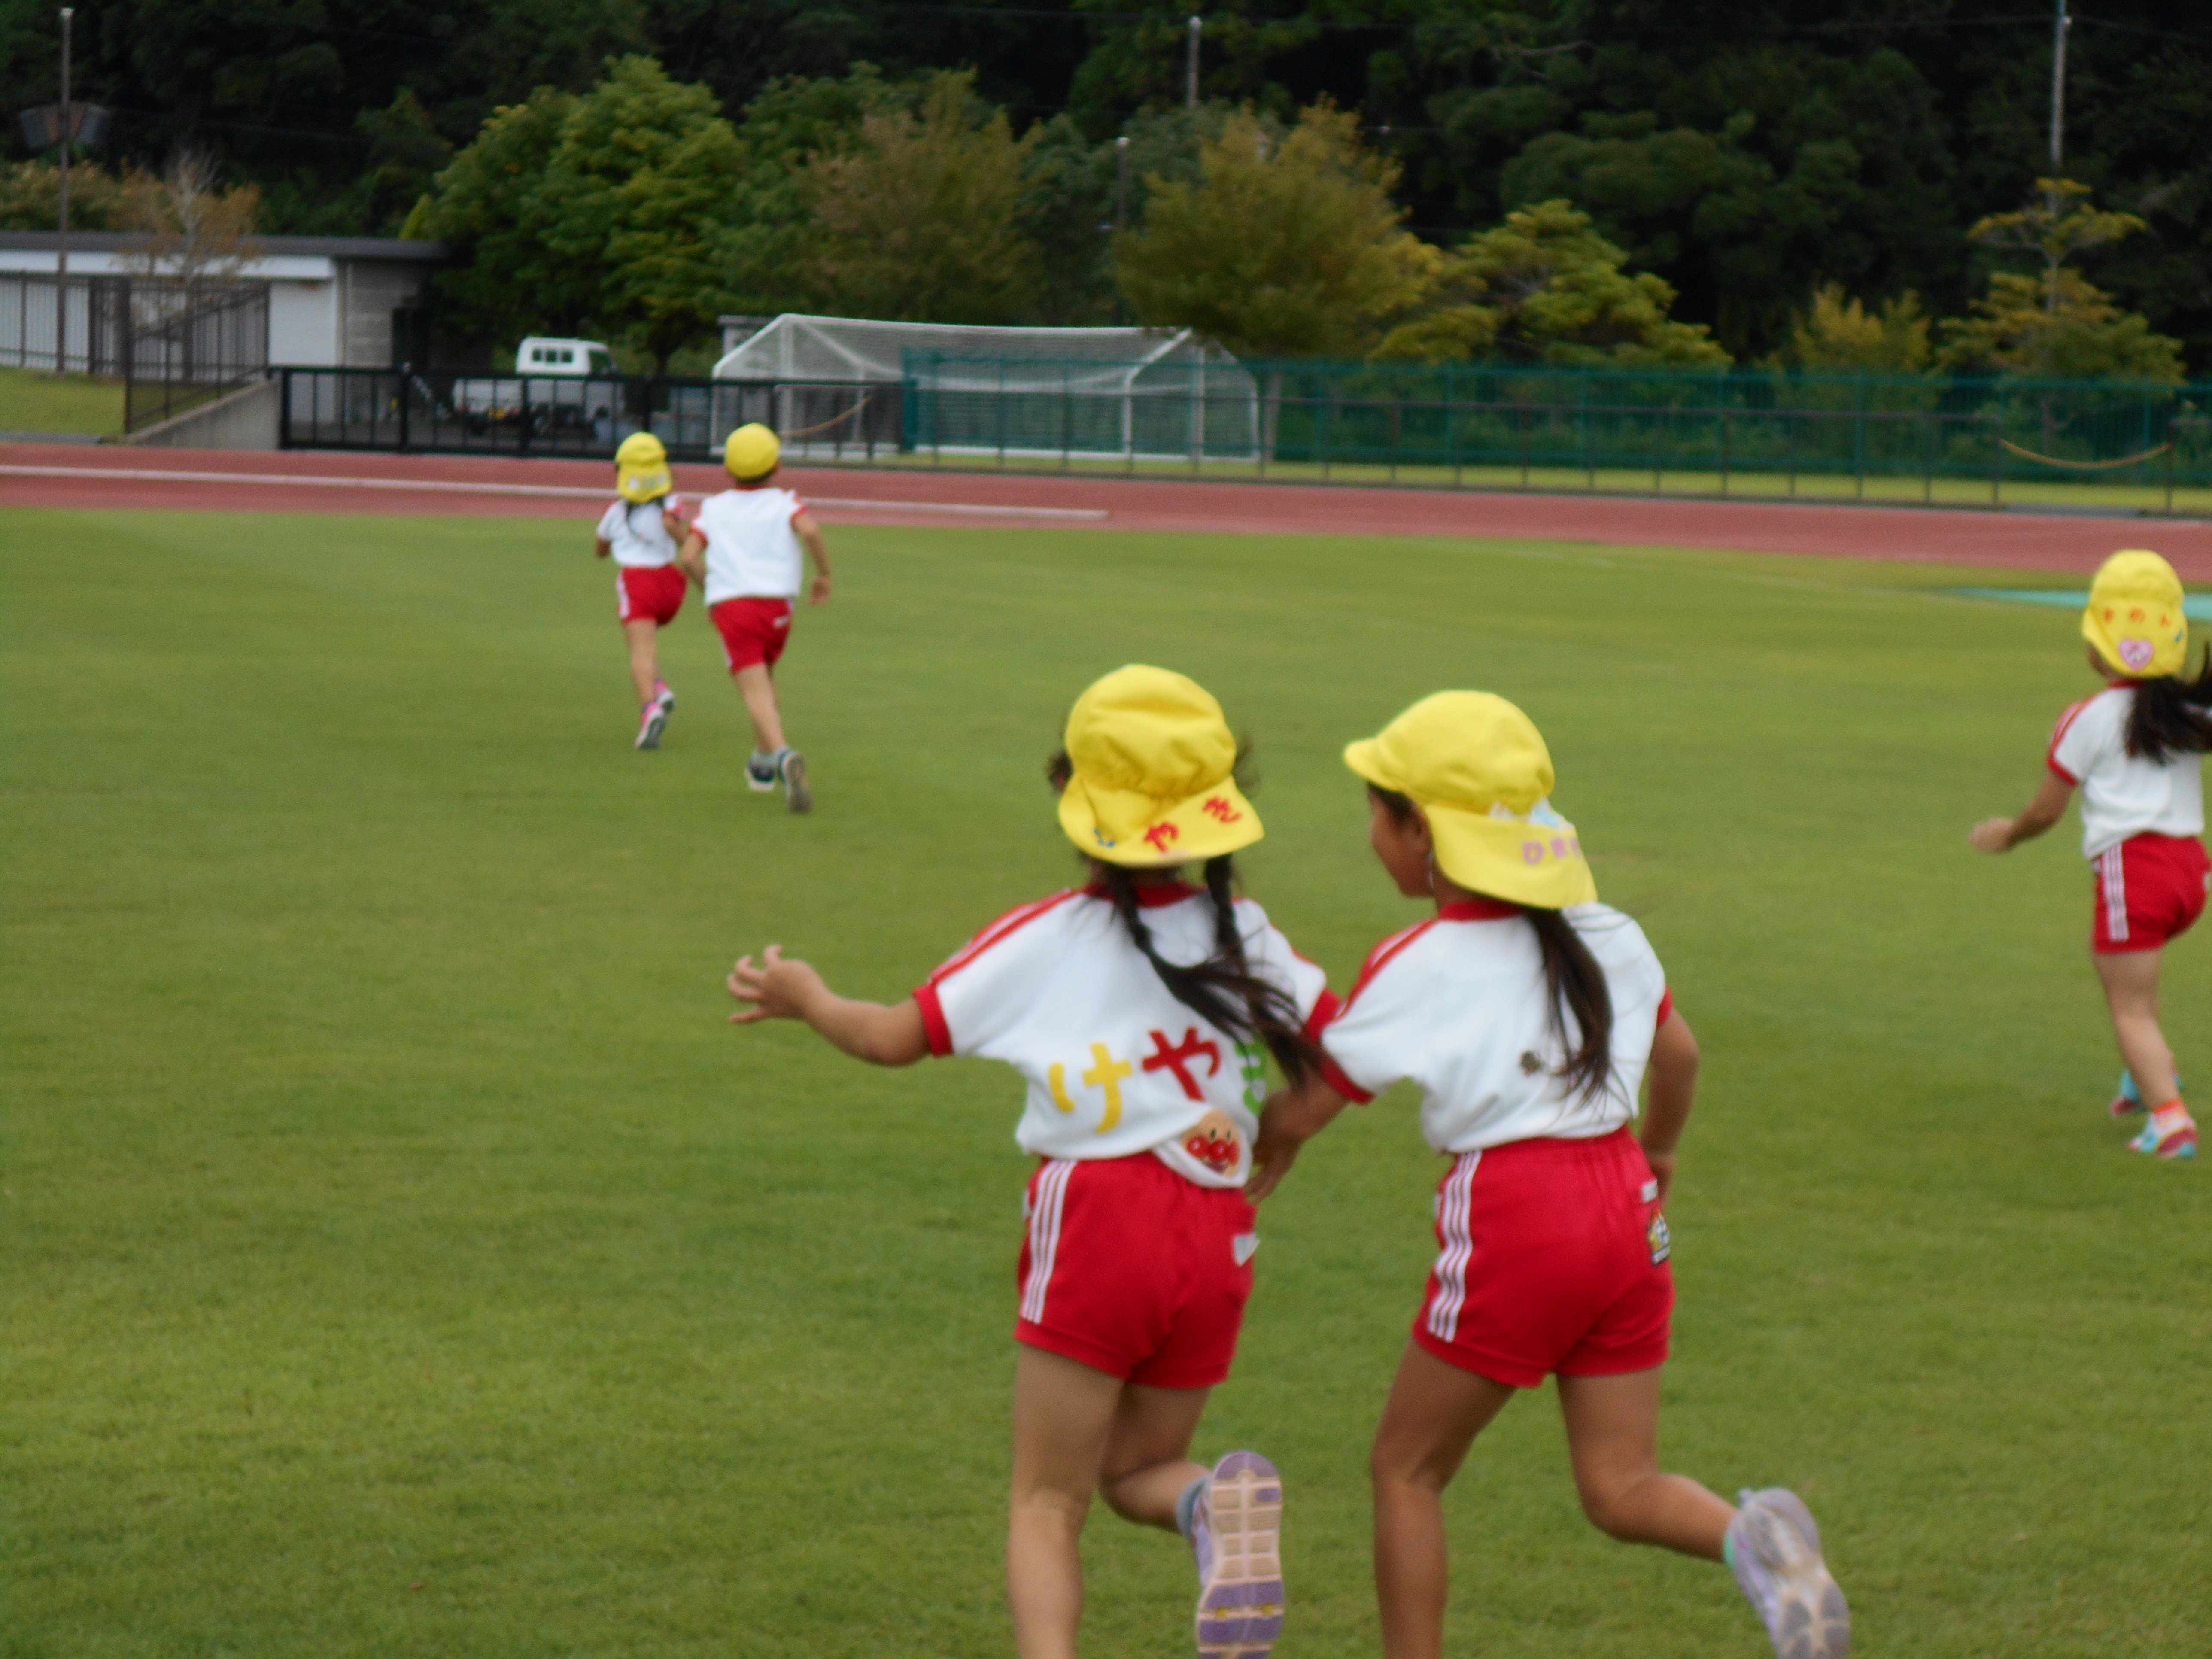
1528 1012
2136 750
1141 1010
743 551
640 530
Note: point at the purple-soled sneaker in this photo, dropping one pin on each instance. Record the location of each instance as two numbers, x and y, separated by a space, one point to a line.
1237 1535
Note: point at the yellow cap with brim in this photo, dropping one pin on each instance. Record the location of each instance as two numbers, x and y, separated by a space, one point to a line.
1477 768
2135 618
1152 781
751 452
641 469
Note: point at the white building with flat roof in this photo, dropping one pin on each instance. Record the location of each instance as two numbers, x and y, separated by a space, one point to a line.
331 299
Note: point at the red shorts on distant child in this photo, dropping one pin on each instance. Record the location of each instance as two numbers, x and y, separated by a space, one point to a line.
1132 1270
649 593
2149 888
1551 1259
753 630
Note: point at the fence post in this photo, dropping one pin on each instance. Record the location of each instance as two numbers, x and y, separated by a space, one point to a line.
2173 444
1858 439
1724 448
406 377
1996 457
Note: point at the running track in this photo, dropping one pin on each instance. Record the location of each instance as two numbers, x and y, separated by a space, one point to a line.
33 475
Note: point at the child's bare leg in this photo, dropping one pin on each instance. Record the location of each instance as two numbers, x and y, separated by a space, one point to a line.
1612 1436
757 687
1147 1462
1064 1415
1434 1413
2130 981
644 656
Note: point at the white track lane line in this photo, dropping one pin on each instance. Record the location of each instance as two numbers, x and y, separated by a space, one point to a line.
314 480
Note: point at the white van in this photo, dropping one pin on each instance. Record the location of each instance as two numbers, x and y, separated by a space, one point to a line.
535 356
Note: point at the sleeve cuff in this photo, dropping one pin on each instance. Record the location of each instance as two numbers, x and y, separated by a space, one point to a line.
1326 1008
1665 1008
933 1021
2072 782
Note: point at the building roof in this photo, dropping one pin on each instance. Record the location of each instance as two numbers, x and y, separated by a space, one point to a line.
327 247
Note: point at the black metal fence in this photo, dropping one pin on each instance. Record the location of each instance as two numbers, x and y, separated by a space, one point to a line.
174 342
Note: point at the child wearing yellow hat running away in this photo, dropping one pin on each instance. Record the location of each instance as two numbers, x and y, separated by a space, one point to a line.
640 531
1529 1014
743 551
1141 1010
2136 750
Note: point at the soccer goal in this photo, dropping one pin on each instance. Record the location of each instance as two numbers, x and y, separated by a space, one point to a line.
833 384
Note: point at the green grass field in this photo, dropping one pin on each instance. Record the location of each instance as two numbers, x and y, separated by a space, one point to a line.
403 1257
31 401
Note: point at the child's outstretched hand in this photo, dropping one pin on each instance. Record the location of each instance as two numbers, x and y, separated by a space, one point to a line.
776 990
1273 1154
1992 835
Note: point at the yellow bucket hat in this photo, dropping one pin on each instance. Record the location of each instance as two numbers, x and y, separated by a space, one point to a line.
1477 768
641 469
752 451
2135 618
1153 785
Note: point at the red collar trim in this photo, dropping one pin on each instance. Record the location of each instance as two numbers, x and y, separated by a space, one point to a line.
1151 896
1478 909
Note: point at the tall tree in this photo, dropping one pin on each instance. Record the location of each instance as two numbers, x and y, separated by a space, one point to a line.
1280 249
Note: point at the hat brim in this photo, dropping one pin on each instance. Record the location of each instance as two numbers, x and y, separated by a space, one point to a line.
2168 656
1365 757
640 488
1149 834
1511 859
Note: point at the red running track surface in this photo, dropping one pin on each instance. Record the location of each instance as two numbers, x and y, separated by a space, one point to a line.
58 475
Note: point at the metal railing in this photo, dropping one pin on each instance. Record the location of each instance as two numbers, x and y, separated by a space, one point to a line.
1770 436
174 342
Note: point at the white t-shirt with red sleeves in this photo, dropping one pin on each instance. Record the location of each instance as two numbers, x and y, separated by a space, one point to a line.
2122 795
636 534
1116 1065
1458 1005
752 552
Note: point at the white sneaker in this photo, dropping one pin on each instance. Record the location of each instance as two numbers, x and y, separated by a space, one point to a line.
760 774
792 768
1779 1569
1236 1533
651 720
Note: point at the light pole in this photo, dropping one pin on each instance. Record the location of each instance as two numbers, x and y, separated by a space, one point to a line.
61 241
1190 65
2058 32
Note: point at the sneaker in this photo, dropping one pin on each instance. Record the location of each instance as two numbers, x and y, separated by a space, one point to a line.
2167 1136
792 767
1236 1534
2127 1099
650 722
760 773
1777 1551
663 696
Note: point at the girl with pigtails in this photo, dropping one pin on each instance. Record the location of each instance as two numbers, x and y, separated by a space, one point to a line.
1142 1009
1529 1015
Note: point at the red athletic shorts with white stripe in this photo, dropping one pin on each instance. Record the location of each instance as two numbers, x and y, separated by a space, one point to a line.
754 631
1552 1258
649 593
1134 1271
2149 890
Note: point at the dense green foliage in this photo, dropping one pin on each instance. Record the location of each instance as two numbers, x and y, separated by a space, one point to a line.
1743 150
403 1258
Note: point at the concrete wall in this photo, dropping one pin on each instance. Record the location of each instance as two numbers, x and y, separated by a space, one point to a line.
372 290
303 323
247 419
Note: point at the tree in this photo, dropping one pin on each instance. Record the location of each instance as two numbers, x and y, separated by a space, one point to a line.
1279 249
194 230
2056 229
1840 334
406 153
1546 287
921 220
30 195
2016 330
636 194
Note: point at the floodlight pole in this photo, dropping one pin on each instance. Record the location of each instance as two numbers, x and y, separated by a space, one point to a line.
1190 64
2058 32
61 241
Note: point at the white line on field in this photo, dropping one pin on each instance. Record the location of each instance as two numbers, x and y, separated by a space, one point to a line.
451 486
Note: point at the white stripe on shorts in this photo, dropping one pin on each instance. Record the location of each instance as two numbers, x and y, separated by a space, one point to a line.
621 597
1459 1245
2114 871
1044 1235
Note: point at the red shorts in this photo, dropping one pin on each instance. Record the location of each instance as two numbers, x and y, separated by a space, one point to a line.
1134 1271
1553 1258
2149 890
753 630
650 594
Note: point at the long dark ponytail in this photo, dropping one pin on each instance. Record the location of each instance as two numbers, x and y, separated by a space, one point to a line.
1581 1004
2168 717
1223 989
